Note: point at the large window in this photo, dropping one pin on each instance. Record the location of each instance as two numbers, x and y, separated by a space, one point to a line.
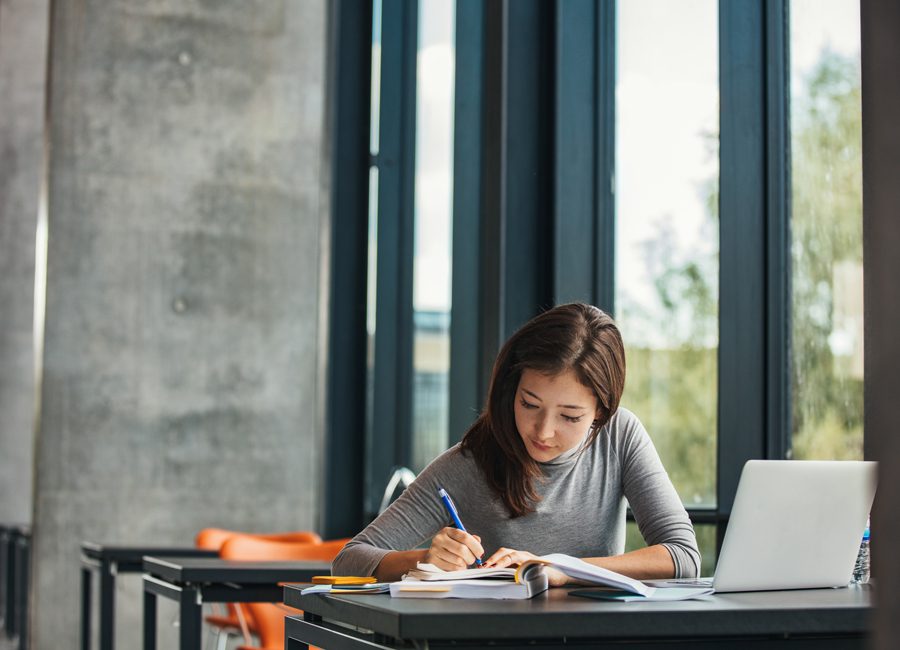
692 166
372 249
826 230
409 235
667 238
432 267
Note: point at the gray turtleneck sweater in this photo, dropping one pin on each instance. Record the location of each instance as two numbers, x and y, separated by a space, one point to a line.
581 511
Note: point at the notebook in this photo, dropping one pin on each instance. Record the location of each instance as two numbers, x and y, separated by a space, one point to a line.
795 524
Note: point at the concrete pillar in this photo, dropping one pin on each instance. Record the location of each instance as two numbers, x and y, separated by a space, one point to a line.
880 22
23 63
182 298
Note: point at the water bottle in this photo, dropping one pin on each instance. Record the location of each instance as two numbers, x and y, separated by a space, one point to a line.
863 560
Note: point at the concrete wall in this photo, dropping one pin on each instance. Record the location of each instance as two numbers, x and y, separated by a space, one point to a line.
180 350
23 62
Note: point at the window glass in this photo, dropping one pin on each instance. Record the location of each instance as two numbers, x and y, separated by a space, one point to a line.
667 238
372 262
433 218
706 540
826 230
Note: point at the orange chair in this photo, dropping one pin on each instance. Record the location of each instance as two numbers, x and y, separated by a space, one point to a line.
237 620
213 538
269 618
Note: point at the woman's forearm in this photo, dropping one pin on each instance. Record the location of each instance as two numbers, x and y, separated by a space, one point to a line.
396 563
652 562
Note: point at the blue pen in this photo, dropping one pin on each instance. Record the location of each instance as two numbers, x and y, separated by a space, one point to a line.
448 503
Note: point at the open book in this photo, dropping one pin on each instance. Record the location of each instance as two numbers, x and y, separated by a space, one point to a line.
524 581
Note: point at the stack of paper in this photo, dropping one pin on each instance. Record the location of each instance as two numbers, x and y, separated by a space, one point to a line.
427 581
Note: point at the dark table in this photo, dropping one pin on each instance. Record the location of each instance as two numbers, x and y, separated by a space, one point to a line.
6 577
194 581
809 619
22 555
109 560
15 548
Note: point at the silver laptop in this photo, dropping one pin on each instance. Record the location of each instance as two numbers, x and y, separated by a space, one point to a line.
795 524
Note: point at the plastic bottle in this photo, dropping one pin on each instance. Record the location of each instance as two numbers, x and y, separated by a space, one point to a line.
863 560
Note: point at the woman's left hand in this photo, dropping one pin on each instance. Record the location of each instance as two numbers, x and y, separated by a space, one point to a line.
509 557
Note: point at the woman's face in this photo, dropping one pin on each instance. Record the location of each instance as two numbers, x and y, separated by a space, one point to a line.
553 413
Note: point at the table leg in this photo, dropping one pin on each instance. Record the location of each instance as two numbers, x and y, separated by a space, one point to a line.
23 559
107 606
4 570
9 619
16 612
290 642
191 619
149 620
85 608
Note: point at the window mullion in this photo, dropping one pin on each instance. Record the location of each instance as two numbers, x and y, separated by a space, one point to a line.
575 161
348 128
778 267
742 272
467 385
391 425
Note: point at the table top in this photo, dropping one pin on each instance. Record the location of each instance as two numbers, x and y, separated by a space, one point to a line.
136 552
181 570
555 614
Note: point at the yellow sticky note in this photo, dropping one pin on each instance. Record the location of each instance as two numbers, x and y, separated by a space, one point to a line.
343 580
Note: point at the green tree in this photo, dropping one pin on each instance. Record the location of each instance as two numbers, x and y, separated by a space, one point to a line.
672 382
826 235
672 387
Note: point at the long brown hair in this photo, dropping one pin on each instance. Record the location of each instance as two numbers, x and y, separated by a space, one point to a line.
576 337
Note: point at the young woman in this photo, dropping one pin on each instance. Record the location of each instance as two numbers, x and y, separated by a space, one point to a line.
546 468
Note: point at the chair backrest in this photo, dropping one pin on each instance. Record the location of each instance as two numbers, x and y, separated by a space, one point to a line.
304 536
253 547
213 538
270 618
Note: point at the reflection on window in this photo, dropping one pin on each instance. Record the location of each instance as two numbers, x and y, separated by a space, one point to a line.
433 209
667 241
826 230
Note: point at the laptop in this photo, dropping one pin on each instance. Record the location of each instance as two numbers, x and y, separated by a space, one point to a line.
795 524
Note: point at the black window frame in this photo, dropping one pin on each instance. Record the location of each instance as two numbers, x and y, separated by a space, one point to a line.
533 172
389 421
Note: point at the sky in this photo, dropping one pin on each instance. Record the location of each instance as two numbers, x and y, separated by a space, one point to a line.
435 77
667 97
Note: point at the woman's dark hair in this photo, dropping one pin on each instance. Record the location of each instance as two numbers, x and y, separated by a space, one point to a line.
576 337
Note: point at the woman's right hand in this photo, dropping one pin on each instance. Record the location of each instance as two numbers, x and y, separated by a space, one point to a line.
453 549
